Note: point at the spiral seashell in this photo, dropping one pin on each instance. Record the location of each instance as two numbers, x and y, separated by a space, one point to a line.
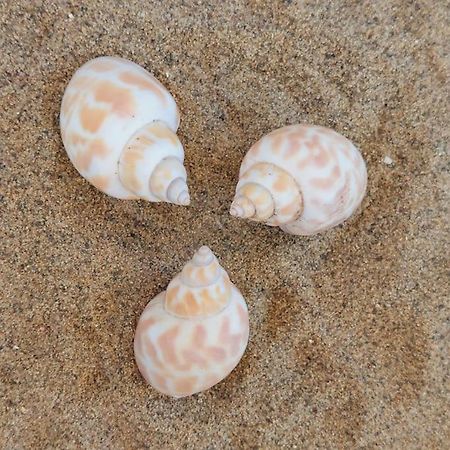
191 336
303 178
118 126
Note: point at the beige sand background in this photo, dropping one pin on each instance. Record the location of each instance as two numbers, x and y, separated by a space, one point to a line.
349 340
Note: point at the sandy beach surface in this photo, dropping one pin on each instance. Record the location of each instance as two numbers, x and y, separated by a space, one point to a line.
349 337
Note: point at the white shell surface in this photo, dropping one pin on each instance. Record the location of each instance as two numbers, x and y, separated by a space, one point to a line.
181 357
105 103
182 354
328 169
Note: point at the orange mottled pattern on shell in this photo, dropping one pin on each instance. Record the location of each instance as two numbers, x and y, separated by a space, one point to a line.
180 356
185 301
202 288
105 103
328 169
152 145
279 185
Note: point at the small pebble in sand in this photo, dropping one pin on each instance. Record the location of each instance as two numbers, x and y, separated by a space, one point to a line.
388 161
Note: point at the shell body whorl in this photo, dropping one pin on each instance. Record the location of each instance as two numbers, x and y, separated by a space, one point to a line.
317 178
117 123
191 336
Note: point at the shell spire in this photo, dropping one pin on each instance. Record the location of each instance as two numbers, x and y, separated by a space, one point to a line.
151 165
202 288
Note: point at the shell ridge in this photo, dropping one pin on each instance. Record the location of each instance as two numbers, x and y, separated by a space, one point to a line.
99 103
318 160
186 355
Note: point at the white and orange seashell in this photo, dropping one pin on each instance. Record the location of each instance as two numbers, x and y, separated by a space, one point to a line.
303 178
191 336
118 126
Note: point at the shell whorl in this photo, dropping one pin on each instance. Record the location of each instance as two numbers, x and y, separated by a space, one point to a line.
326 172
151 165
201 289
267 193
191 336
118 125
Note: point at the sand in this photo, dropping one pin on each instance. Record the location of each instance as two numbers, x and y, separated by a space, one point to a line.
349 341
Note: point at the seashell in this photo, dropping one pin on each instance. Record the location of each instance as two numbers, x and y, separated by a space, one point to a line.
303 178
191 336
118 126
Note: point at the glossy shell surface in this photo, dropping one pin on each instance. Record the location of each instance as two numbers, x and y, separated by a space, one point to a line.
182 351
105 103
328 169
